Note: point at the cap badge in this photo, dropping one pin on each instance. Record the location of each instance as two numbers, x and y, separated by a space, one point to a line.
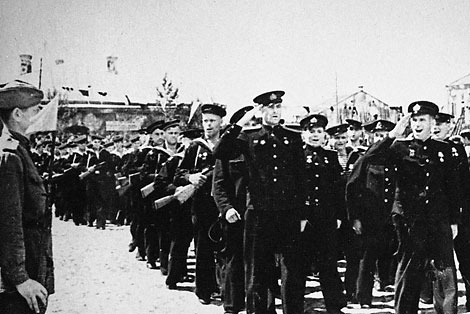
455 153
379 125
412 152
313 120
272 97
416 108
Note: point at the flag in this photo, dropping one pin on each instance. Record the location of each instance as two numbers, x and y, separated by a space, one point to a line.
194 106
46 119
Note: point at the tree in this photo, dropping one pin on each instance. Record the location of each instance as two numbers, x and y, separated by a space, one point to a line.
167 95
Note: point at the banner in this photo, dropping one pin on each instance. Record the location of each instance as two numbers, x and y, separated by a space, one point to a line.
46 119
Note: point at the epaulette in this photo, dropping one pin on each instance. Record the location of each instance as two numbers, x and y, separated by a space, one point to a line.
330 150
403 139
440 140
8 144
251 128
291 130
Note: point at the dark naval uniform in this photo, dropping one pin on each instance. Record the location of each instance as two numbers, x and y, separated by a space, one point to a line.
154 248
370 194
426 204
325 203
462 241
230 191
25 223
275 161
180 225
198 157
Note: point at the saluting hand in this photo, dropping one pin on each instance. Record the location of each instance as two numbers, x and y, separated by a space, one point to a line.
31 290
249 115
400 127
232 215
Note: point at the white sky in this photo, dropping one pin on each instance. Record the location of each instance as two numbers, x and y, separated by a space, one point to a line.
230 51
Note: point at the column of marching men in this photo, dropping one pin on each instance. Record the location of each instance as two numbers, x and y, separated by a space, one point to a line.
270 202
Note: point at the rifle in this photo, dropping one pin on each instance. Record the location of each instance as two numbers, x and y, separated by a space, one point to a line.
90 170
147 190
124 183
182 193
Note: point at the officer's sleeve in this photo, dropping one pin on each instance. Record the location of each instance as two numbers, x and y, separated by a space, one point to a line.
379 147
354 188
222 186
187 164
229 144
12 250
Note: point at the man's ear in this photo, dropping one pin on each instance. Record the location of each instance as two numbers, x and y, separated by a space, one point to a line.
16 114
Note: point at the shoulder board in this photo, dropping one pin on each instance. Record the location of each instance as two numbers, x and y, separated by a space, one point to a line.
145 147
251 128
402 139
441 141
7 143
290 130
330 150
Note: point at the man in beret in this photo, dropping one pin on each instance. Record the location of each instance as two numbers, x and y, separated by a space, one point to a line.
78 163
442 131
165 144
181 228
198 158
26 264
276 214
369 195
325 203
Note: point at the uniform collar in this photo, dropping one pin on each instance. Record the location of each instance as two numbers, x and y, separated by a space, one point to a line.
24 141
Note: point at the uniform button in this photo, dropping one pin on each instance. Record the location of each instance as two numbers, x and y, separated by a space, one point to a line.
317 175
274 156
275 180
275 167
425 147
316 164
316 200
274 145
427 160
386 200
426 188
316 188
386 169
427 174
427 201
386 190
386 179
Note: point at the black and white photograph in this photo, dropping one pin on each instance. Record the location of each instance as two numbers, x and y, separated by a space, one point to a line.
234 157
